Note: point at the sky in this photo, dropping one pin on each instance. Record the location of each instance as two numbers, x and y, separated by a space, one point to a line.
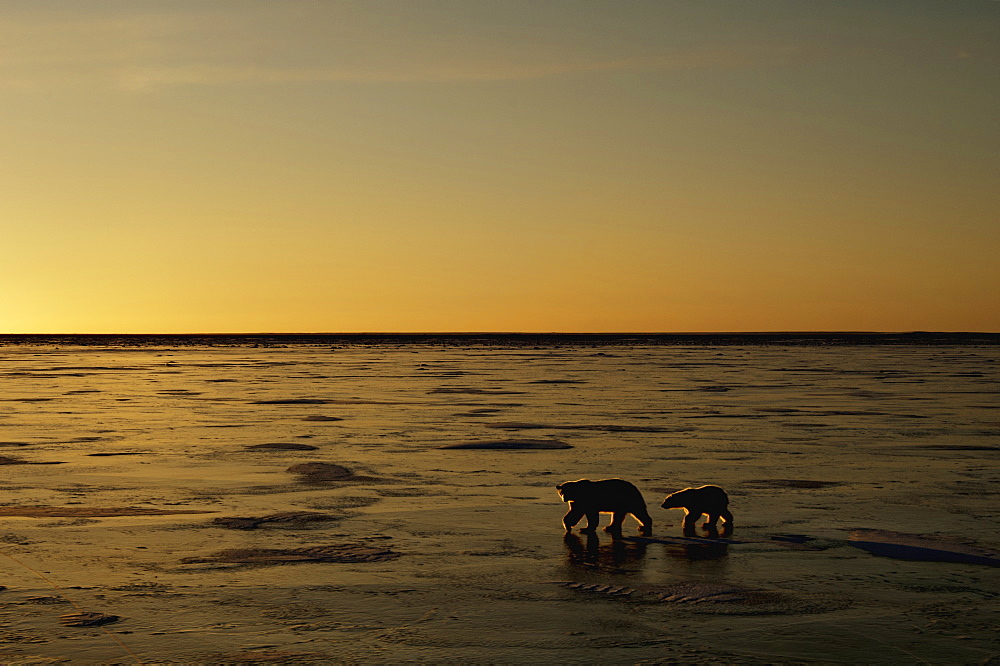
242 166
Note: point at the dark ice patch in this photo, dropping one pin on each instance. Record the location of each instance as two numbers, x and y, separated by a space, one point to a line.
360 401
282 446
291 401
316 472
507 444
478 412
90 511
46 375
718 415
346 553
789 483
7 460
557 381
902 546
600 427
711 593
706 597
285 519
474 391
86 619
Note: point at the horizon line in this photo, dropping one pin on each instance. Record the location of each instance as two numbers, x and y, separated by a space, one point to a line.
566 333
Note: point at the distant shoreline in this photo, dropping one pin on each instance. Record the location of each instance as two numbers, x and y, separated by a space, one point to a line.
505 339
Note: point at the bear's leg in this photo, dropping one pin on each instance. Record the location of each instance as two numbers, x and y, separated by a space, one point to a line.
727 527
710 529
572 517
593 519
645 522
616 522
690 520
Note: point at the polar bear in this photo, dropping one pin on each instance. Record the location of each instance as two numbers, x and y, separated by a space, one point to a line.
704 500
592 498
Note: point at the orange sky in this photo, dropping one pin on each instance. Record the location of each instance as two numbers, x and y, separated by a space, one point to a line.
499 166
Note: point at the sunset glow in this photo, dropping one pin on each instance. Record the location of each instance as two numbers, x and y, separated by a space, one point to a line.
499 166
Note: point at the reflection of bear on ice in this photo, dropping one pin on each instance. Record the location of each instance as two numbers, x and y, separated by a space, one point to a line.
592 498
617 556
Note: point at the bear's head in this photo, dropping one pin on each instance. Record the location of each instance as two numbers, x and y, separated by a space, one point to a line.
678 500
571 491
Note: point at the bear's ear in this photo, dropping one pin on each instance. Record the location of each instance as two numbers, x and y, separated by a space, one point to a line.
560 486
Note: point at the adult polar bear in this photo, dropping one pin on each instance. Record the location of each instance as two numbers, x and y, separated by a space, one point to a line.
592 498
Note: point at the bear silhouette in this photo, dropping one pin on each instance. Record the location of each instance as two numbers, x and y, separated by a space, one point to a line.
592 498
704 500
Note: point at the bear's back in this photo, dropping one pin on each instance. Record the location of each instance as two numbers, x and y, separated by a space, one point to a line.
612 495
709 497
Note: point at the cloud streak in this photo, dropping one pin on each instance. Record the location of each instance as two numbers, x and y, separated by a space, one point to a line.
147 52
157 76
150 52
